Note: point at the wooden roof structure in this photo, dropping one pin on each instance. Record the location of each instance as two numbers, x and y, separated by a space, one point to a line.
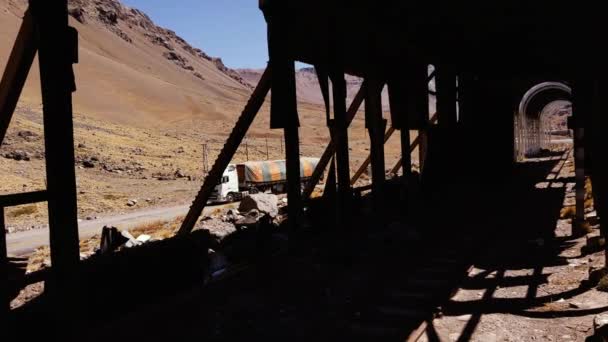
509 37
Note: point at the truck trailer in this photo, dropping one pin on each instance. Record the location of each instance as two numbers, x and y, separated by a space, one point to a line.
240 180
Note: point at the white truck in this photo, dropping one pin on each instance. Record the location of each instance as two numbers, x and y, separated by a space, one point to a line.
240 180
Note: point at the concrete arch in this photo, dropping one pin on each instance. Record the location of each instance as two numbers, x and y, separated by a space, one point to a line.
531 131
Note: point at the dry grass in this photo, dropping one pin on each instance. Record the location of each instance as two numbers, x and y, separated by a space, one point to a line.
23 211
159 230
567 212
603 284
112 197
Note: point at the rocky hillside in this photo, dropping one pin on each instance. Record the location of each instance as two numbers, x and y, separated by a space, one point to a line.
133 71
114 15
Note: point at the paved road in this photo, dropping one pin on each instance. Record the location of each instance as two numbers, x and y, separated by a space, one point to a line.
24 242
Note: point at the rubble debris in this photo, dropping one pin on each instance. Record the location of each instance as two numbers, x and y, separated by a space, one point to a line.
177 59
264 203
78 14
111 239
17 155
218 229
160 41
600 326
28 135
180 174
217 262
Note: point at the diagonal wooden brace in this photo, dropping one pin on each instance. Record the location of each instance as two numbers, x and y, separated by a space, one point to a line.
17 69
415 144
331 148
232 144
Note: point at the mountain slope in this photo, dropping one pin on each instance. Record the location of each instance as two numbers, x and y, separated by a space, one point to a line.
132 71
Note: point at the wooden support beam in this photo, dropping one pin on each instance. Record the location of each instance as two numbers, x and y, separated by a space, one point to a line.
12 200
582 95
15 74
597 151
340 136
294 197
389 133
413 146
445 83
376 126
230 147
57 52
331 147
5 304
422 148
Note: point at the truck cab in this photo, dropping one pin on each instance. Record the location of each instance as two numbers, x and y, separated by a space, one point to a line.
227 189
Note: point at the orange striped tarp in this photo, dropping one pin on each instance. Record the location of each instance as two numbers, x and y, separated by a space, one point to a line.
275 170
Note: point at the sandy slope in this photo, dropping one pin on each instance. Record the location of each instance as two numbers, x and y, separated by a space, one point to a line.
132 82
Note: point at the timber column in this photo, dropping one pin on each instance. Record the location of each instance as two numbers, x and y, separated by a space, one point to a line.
58 50
582 97
283 106
376 126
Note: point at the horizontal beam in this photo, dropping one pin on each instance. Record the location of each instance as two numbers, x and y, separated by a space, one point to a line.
13 200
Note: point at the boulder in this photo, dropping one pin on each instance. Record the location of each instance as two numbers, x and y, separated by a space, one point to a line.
28 135
88 163
17 155
600 327
218 229
264 203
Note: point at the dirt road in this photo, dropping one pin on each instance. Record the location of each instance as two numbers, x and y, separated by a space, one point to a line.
22 243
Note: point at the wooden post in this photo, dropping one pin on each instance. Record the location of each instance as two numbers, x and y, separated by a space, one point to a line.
445 83
57 53
340 136
331 148
294 197
597 151
582 95
5 304
375 125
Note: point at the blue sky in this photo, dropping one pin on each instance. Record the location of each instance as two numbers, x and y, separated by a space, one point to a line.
234 30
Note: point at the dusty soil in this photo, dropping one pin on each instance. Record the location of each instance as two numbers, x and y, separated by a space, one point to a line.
547 300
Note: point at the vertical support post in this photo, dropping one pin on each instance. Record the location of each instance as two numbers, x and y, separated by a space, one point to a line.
5 304
294 196
445 84
57 53
582 94
422 148
284 106
418 104
340 136
376 126
598 122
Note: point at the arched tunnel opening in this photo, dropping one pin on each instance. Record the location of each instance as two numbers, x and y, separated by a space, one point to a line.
541 121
